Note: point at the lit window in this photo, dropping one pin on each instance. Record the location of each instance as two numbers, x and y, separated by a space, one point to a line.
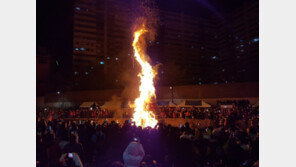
58 92
214 57
92 68
101 62
241 45
128 54
76 48
75 72
77 8
242 50
116 58
82 49
237 47
256 39
162 72
199 83
116 80
108 58
223 70
242 40
150 42
86 73
215 83
157 42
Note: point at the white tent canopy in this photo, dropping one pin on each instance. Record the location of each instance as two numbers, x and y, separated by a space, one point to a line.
226 106
88 104
163 102
168 102
182 103
178 102
173 104
192 102
204 104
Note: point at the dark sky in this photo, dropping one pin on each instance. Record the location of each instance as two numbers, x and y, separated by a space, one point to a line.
51 12
54 22
53 25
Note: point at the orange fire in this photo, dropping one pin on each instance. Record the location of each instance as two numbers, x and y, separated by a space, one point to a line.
142 116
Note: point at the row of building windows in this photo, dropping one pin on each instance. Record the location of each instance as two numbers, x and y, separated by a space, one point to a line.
85 43
83 37
89 3
78 8
85 26
83 49
85 20
86 32
116 58
77 49
87 15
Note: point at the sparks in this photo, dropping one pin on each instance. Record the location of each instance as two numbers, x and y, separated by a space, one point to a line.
142 116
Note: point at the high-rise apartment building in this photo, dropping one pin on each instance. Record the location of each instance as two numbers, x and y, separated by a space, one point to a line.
238 45
209 49
187 41
86 44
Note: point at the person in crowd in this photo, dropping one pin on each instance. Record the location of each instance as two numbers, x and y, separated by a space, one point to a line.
116 164
53 150
231 139
70 160
74 146
133 154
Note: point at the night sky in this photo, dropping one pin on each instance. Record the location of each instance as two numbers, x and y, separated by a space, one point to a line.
54 22
51 14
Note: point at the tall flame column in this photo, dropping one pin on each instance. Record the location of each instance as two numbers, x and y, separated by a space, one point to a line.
142 117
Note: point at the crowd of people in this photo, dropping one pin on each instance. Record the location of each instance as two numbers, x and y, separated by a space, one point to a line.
91 112
161 111
233 141
191 112
233 102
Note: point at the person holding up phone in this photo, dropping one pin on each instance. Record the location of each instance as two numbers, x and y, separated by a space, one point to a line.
74 146
71 159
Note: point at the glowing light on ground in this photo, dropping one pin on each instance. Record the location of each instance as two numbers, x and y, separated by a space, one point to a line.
142 116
